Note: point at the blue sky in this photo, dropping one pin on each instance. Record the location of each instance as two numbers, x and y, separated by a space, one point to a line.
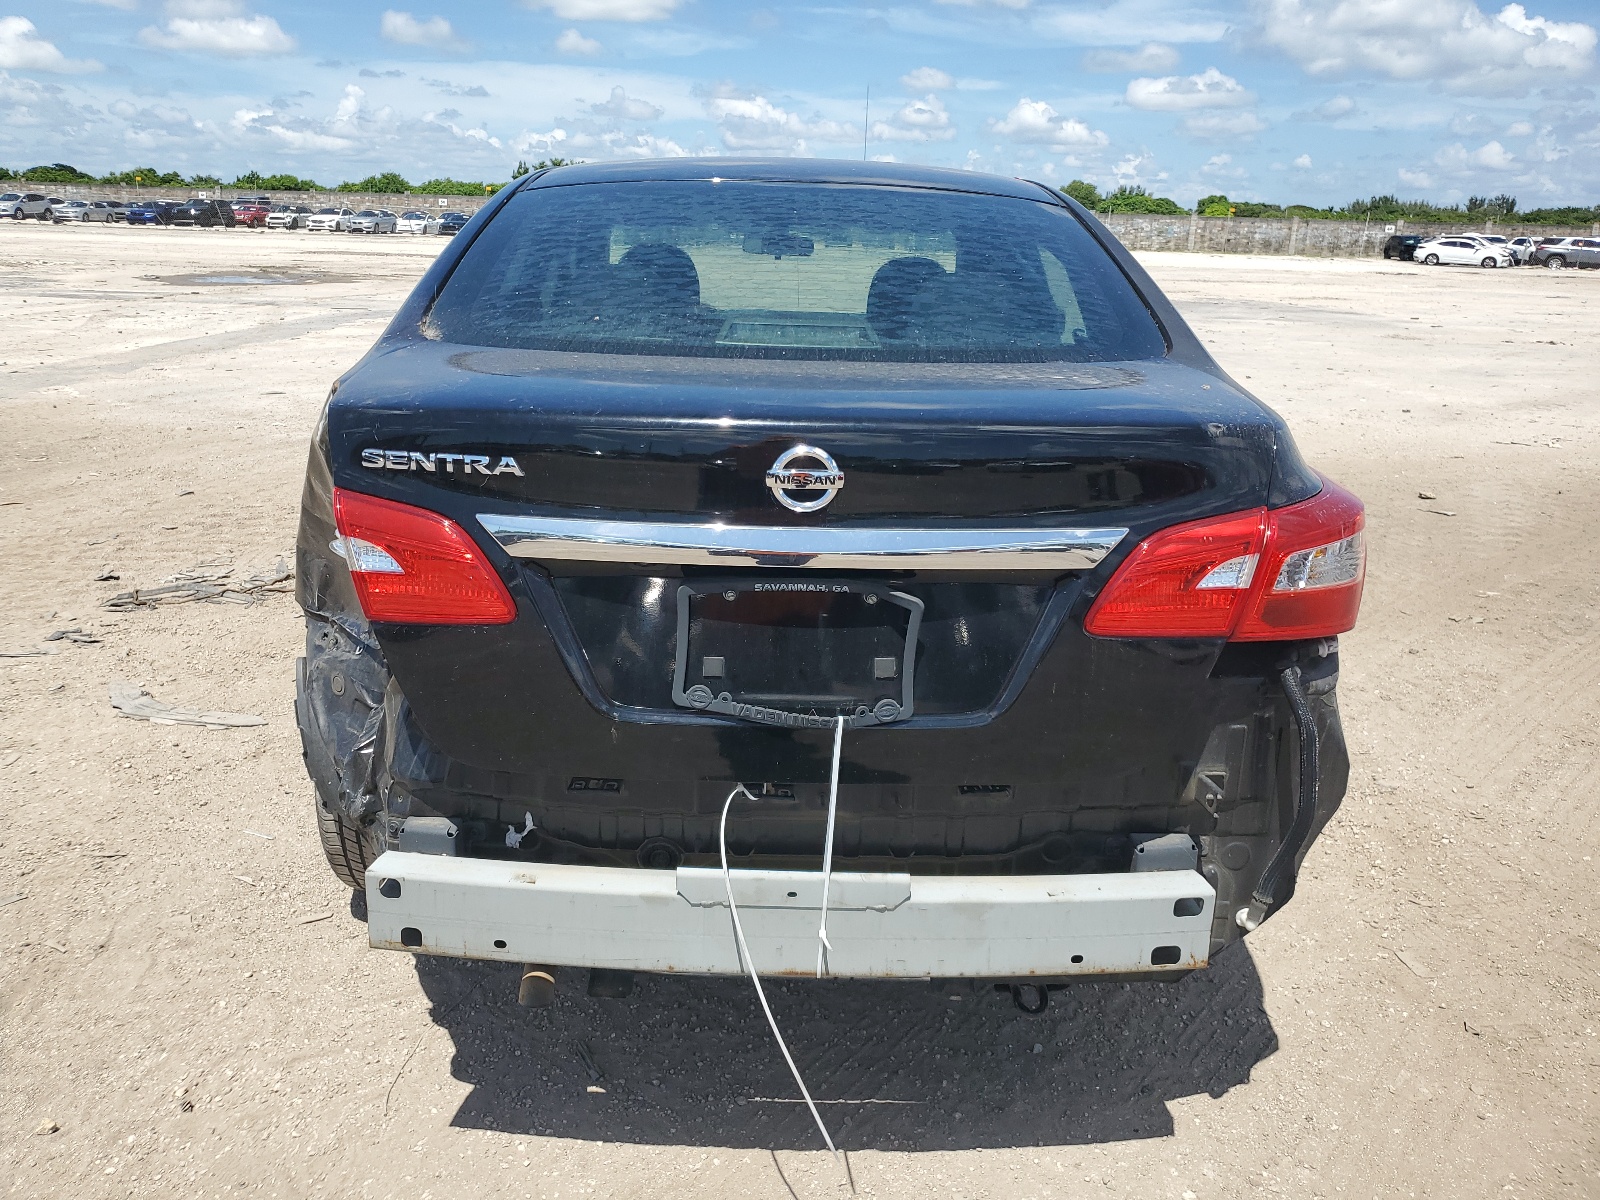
1307 101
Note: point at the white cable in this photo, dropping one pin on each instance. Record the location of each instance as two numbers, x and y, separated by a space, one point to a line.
744 952
824 946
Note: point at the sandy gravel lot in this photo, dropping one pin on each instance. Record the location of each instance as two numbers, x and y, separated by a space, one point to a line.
186 994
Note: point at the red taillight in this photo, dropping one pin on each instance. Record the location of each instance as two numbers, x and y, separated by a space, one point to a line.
415 567
1262 575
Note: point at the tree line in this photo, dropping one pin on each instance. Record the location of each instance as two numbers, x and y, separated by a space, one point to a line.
1377 208
389 183
1125 199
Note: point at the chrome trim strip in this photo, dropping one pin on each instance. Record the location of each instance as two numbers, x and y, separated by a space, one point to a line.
579 539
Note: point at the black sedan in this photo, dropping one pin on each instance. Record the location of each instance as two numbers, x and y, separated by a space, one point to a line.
451 223
703 522
204 214
1402 246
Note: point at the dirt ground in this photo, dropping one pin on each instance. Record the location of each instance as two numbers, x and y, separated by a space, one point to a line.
186 994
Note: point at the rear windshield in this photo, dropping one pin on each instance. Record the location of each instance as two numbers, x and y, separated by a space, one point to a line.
792 271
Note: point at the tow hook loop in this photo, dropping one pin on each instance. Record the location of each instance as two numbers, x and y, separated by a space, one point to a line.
1031 998
538 988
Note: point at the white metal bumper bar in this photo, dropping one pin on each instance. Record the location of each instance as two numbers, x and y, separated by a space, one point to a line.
880 925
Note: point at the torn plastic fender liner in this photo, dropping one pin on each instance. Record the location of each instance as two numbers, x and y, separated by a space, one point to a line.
339 698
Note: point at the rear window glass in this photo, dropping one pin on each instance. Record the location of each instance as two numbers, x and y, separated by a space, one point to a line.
794 271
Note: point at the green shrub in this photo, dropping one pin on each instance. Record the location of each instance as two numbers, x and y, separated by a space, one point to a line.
144 177
57 173
387 184
1136 200
449 187
1085 194
255 181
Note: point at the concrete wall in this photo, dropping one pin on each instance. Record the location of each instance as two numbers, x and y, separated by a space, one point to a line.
355 200
1273 235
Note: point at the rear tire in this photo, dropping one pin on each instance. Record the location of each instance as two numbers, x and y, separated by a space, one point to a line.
347 846
1555 262
1431 260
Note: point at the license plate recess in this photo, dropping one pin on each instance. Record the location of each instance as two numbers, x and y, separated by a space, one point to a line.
798 653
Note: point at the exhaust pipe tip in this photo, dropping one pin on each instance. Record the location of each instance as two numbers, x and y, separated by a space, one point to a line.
538 988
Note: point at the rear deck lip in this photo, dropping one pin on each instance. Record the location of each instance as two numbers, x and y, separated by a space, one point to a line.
881 926
714 544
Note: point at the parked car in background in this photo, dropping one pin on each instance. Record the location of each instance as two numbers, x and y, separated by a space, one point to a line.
204 214
32 204
251 216
1522 249
238 200
150 212
372 220
1401 246
451 223
329 220
18 205
68 210
288 216
416 221
1567 252
1462 252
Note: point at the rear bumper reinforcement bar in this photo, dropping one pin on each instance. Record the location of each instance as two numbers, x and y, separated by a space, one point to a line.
572 539
880 925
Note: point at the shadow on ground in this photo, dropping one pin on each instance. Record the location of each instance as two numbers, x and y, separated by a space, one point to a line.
903 1067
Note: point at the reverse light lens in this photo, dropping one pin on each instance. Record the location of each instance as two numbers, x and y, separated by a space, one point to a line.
1209 578
1326 566
415 567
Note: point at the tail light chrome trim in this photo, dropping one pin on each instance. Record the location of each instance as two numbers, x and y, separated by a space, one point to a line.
575 539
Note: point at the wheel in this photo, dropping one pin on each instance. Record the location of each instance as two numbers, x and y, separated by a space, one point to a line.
1555 262
1431 260
1489 264
348 847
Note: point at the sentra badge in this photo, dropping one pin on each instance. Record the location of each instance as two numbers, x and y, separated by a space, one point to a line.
416 460
786 477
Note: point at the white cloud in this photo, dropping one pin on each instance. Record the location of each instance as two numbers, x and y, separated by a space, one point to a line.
755 123
636 145
624 107
124 5
1457 159
1223 125
926 79
1453 42
1126 22
1152 56
1520 129
1417 179
1303 163
608 10
408 30
217 27
1036 122
1330 109
529 142
22 49
574 43
1185 93
922 120
985 3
